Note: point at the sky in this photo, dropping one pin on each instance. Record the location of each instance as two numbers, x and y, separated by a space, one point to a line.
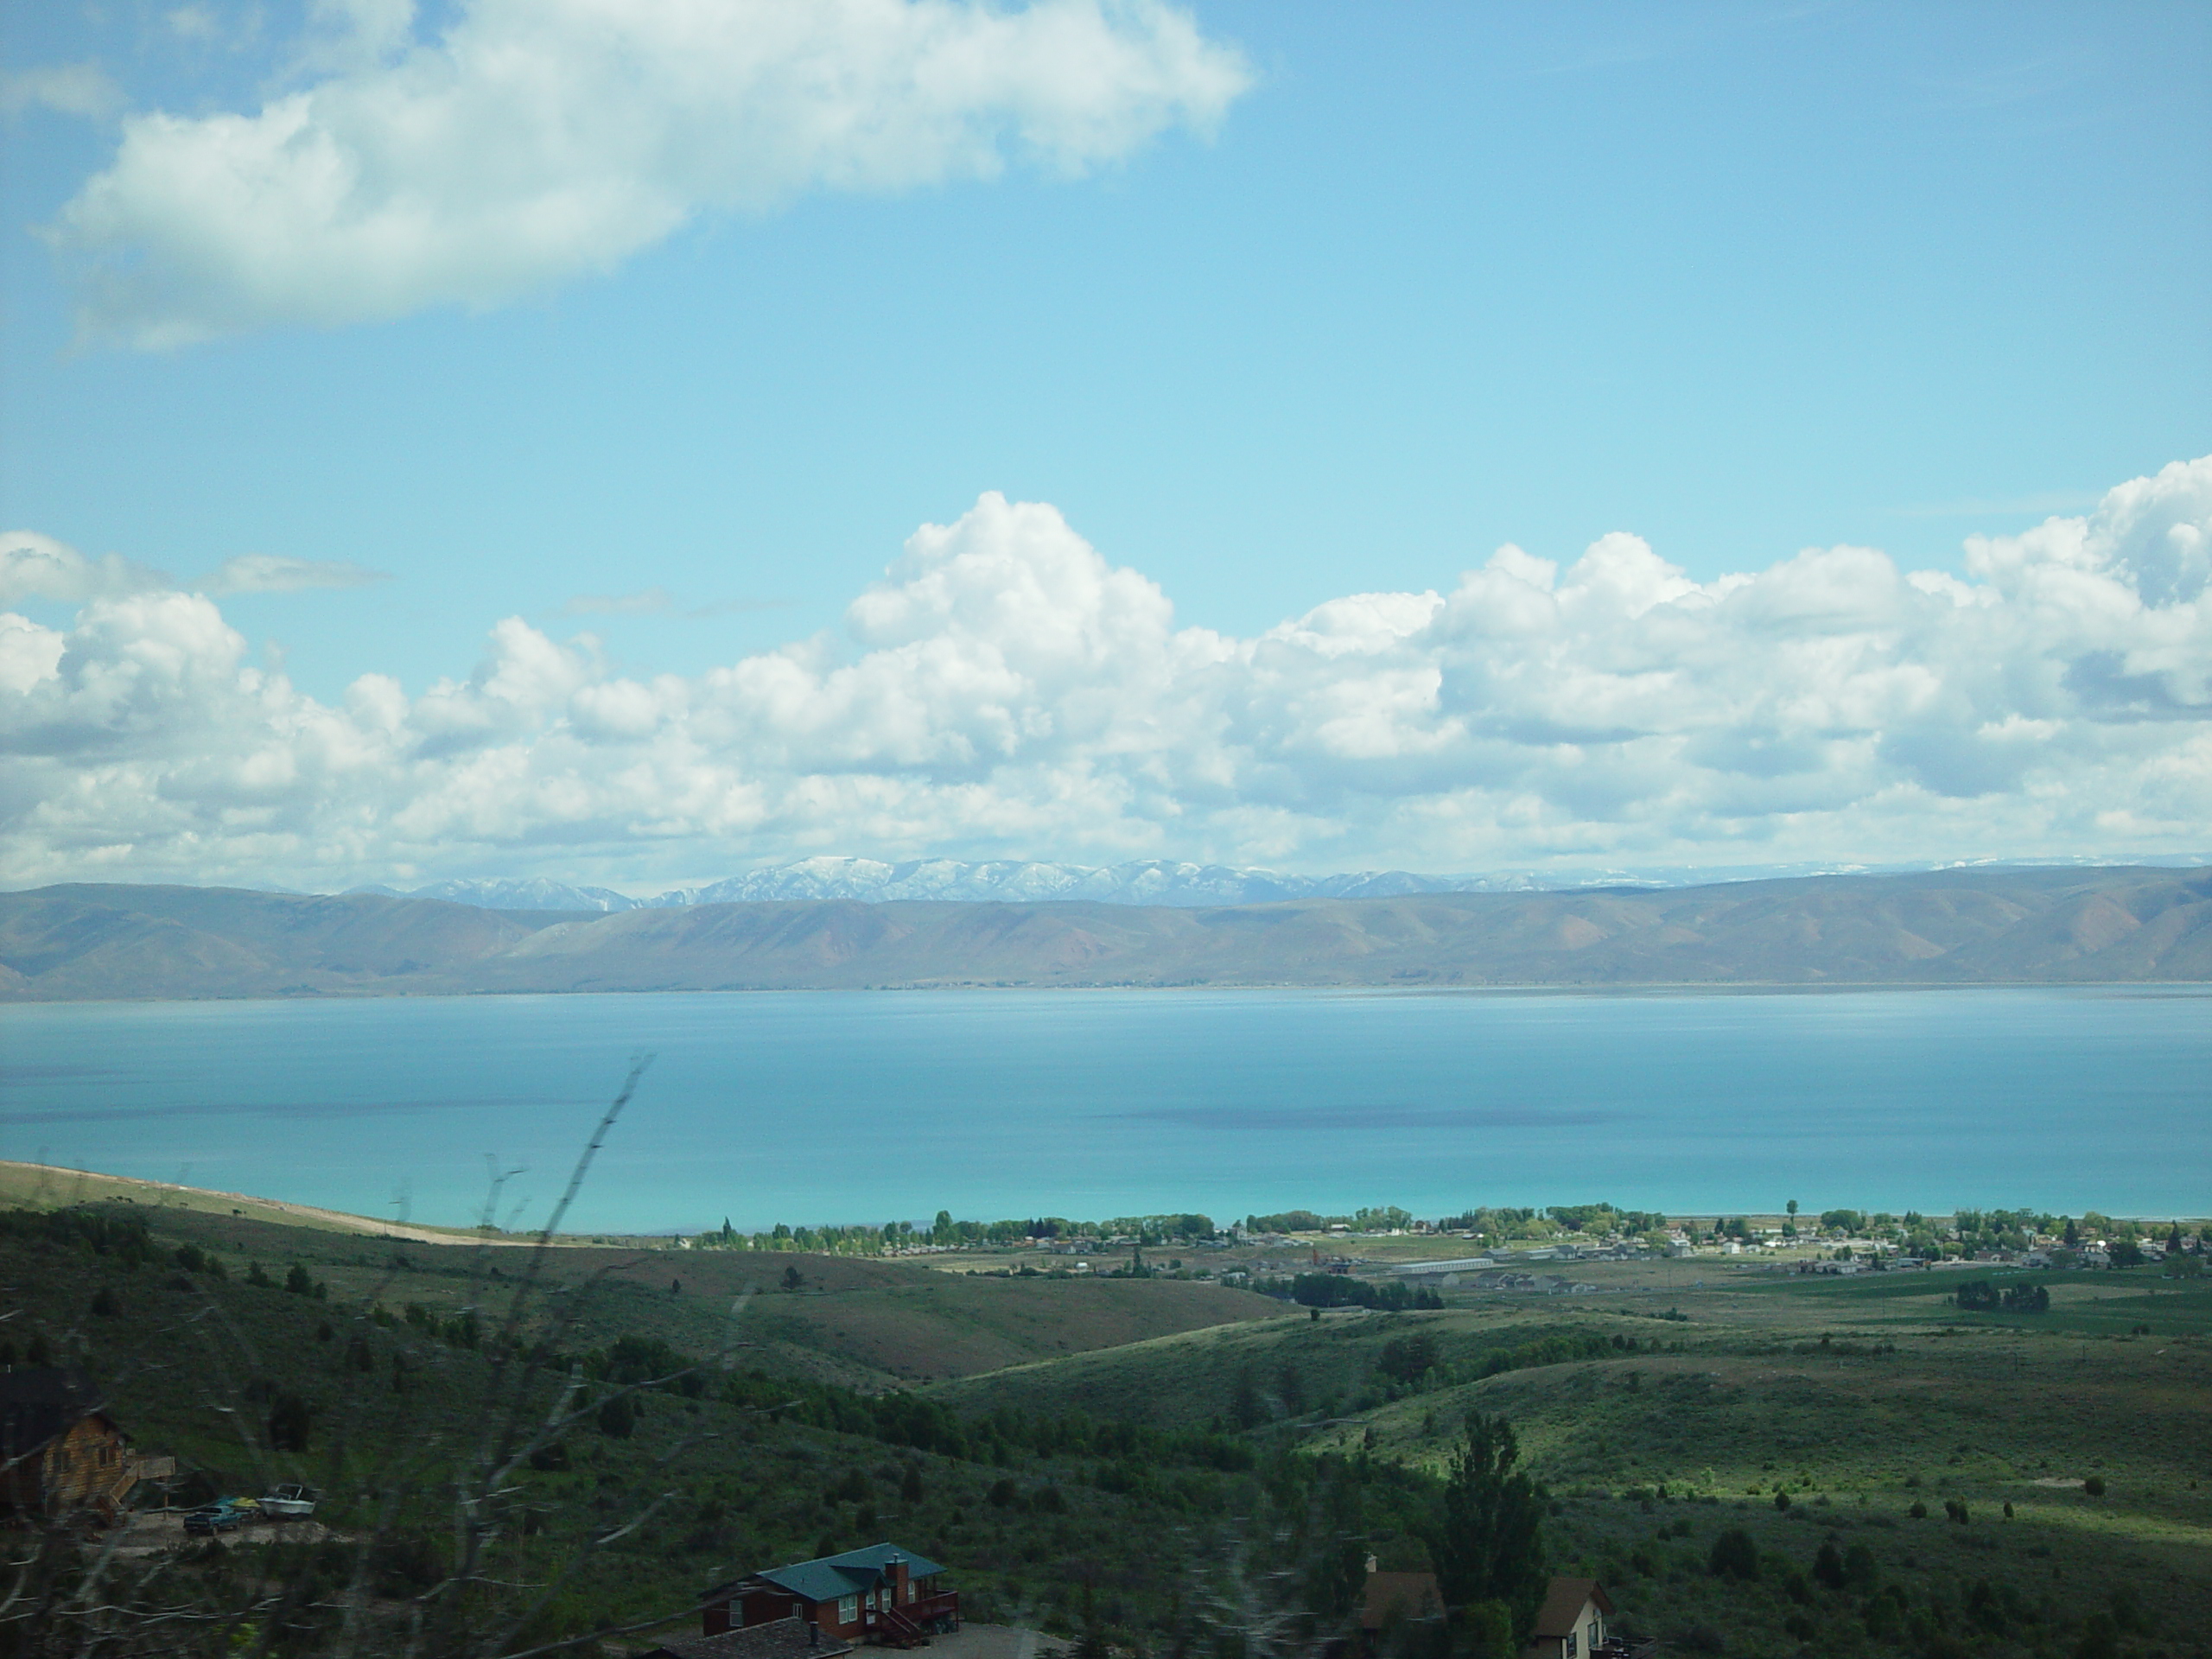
638 440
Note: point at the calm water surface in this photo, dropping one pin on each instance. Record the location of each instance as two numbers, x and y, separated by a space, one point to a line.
881 1106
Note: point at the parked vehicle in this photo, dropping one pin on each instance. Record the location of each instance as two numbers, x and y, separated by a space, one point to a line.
225 1514
291 1502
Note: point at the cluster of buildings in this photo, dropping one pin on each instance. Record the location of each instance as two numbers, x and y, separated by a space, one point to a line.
64 1459
887 1595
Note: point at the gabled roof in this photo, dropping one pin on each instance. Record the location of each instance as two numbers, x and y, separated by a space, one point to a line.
853 1573
1563 1604
40 1402
1413 1594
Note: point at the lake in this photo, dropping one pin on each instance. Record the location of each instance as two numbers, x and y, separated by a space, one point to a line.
879 1106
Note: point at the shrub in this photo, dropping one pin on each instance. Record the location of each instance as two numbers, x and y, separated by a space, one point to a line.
1828 1564
1405 1359
1734 1555
1858 1569
2094 1486
1490 1631
289 1423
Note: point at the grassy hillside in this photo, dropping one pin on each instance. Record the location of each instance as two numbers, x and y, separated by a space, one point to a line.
865 1323
205 1330
45 1186
1856 1400
1174 1484
1952 927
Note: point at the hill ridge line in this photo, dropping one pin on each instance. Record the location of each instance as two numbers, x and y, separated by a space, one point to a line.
2045 925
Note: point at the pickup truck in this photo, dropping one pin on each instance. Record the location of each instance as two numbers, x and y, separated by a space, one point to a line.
225 1514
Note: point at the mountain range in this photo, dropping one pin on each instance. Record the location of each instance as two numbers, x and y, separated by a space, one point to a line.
867 881
1147 881
1956 927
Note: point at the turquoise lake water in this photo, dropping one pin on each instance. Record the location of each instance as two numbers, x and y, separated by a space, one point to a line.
882 1106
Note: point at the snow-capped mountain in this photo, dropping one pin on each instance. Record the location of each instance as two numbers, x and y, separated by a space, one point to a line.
1149 881
533 892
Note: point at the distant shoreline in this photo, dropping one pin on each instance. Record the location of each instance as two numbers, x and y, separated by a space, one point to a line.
18 1174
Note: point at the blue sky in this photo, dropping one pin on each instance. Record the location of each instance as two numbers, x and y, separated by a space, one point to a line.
1319 303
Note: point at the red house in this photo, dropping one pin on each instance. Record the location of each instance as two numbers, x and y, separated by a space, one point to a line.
883 1594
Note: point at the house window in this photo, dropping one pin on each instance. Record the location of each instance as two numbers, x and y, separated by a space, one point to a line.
1597 1633
1570 1644
849 1609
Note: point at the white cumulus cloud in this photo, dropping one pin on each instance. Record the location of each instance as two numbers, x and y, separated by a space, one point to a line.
32 566
539 140
1005 690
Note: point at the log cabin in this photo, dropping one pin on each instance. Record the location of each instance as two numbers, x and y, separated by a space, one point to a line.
62 1457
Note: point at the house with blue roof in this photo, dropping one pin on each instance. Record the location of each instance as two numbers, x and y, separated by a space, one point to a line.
883 1594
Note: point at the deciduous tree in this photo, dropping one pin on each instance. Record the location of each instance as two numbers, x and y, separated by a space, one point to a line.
1488 1543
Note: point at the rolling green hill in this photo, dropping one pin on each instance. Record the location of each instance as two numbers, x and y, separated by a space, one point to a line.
1130 1484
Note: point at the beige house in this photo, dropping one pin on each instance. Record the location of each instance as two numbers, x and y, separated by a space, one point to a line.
1572 1623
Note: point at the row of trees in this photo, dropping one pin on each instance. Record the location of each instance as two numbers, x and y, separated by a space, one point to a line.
1985 1297
1508 1223
1319 1290
945 1231
1966 1232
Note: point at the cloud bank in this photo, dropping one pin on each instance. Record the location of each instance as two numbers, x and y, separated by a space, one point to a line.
541 140
1007 691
